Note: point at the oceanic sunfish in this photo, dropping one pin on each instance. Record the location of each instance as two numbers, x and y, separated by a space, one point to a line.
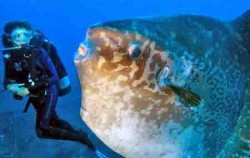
165 86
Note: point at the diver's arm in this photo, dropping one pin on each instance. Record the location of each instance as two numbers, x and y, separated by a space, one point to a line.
11 85
57 61
64 81
8 83
47 63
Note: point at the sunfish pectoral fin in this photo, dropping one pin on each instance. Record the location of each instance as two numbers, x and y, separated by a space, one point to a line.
187 96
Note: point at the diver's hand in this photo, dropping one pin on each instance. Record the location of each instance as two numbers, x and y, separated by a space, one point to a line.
17 88
22 91
13 87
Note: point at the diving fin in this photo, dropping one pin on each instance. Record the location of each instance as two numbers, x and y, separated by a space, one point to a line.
99 154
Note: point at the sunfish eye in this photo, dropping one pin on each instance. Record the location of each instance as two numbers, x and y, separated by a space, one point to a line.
134 50
83 51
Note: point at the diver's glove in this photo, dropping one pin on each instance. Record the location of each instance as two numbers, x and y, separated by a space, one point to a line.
22 91
13 87
18 90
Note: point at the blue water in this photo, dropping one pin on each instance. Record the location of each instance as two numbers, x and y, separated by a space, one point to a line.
65 22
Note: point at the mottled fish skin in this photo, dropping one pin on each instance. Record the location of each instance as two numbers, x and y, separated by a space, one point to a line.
238 146
123 104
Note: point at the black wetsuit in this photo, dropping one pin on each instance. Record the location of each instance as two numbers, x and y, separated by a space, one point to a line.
34 67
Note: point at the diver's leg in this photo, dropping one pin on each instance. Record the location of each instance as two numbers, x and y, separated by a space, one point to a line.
59 129
54 121
46 117
60 123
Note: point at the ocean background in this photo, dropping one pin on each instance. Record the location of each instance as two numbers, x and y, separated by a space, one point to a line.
65 22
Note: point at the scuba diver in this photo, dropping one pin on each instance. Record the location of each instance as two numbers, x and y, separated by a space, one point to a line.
33 68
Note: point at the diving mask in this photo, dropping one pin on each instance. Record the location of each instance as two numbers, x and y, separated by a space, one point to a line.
21 36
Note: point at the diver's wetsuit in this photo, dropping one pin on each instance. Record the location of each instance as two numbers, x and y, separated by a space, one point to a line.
25 64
